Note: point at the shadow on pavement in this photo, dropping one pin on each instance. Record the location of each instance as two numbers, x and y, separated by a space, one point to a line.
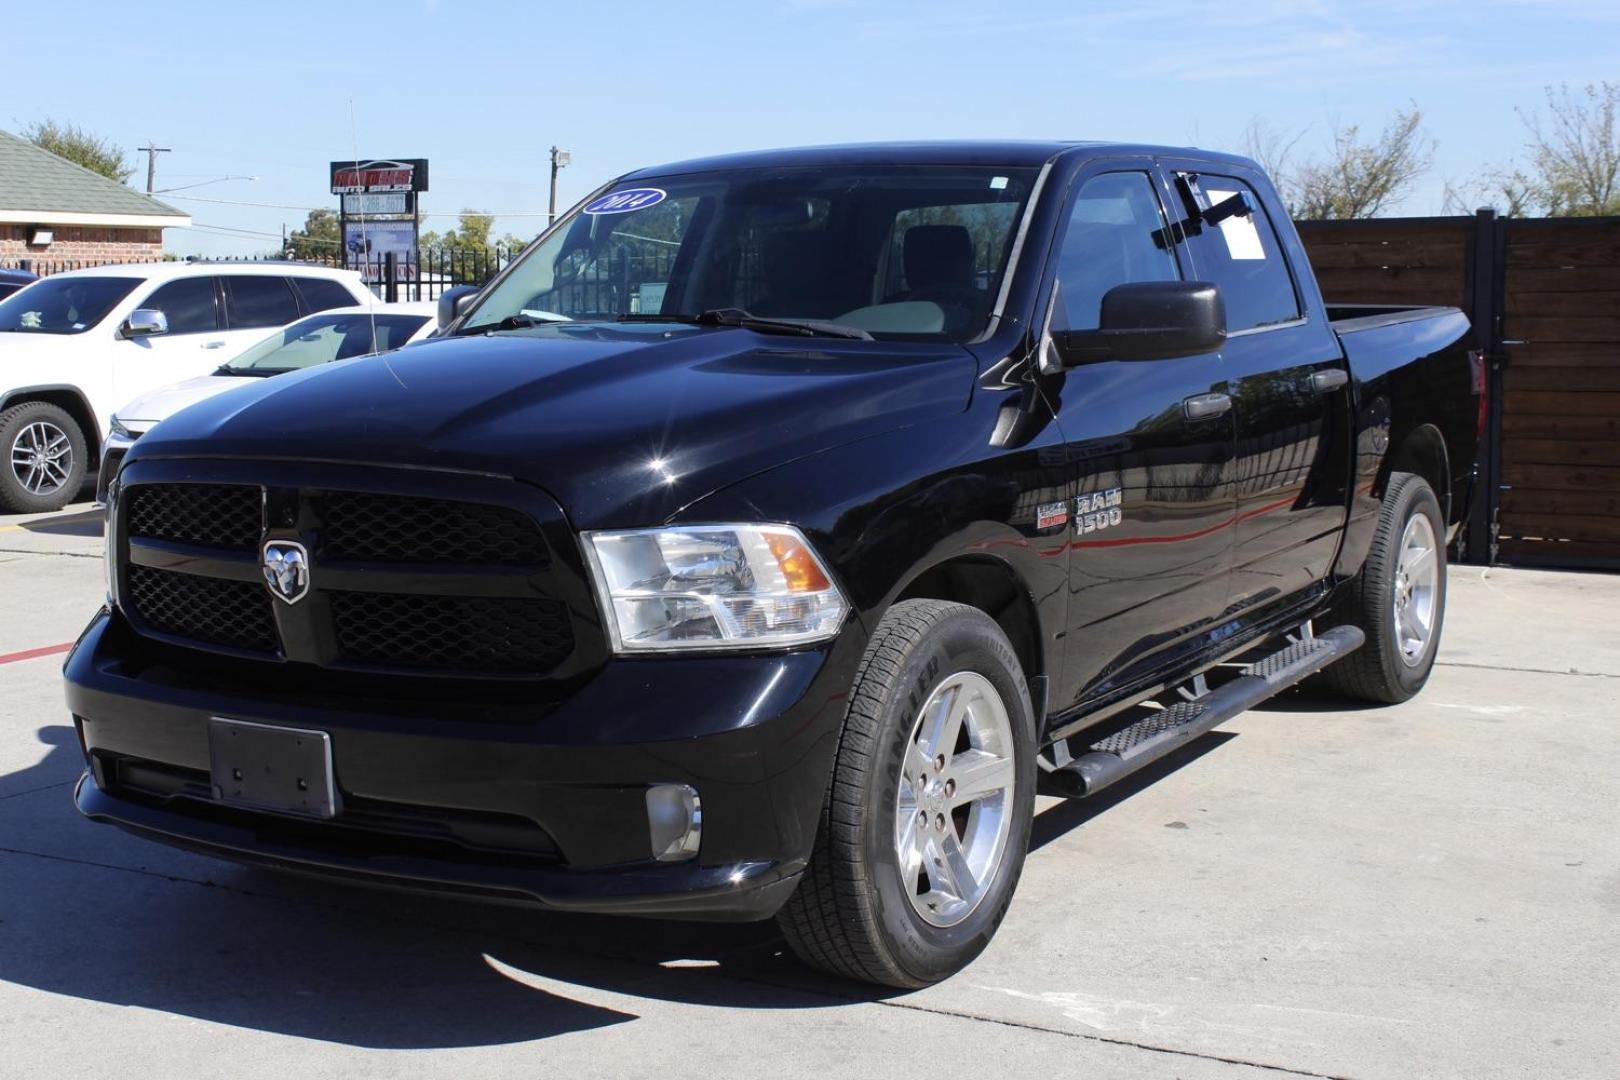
88 912
84 523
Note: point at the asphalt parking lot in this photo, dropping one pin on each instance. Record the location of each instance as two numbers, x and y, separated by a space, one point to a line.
1427 890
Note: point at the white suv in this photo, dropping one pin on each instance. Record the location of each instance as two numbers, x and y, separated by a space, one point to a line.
74 346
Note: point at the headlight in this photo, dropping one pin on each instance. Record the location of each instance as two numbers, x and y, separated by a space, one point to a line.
713 587
118 428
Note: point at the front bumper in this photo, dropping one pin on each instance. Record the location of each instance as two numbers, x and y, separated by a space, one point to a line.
113 449
535 801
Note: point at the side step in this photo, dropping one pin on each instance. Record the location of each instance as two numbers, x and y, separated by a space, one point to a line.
1151 738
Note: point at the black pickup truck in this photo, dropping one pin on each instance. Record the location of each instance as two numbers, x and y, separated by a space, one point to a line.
765 538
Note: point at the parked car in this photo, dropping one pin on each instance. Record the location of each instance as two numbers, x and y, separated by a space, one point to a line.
763 539
12 280
337 334
74 345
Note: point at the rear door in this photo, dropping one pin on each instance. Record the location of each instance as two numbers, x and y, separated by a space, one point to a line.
255 304
1290 389
195 344
1151 442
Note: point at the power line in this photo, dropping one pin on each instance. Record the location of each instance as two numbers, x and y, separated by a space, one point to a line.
307 209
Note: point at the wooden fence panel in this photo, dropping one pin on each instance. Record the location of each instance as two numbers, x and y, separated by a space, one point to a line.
1561 406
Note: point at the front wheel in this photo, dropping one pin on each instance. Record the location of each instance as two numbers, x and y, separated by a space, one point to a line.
44 462
927 818
1398 600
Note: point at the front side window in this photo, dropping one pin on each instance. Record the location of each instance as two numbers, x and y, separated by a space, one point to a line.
1240 253
187 304
322 339
1115 235
63 305
896 251
258 300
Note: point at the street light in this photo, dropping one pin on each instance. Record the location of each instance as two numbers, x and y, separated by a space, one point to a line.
559 159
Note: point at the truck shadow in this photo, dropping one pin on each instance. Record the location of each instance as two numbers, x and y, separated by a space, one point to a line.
89 912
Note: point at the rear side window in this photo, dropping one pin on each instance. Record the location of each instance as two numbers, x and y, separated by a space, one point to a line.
1240 253
323 293
252 301
1115 236
188 304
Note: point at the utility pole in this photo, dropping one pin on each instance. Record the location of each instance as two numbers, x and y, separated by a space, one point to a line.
559 159
152 151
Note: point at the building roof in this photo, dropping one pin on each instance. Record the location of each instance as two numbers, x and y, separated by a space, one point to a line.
39 188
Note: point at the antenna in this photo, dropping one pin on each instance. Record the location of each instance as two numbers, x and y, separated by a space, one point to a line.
365 243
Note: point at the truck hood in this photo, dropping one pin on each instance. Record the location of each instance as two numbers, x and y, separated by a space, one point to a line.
623 425
164 402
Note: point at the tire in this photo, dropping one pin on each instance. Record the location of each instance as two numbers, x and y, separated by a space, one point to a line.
855 913
1390 667
30 483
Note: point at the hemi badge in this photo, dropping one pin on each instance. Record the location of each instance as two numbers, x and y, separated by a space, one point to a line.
1051 515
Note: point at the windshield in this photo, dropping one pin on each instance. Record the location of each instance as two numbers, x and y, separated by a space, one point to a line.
321 339
898 252
63 305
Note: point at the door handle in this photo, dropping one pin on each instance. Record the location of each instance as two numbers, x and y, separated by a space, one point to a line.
214 345
1329 379
1206 406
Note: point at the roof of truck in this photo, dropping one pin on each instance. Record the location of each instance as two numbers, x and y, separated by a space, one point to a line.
1009 152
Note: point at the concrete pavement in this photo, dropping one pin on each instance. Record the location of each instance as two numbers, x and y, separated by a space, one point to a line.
1426 890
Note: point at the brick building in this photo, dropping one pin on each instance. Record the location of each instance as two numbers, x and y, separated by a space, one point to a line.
55 215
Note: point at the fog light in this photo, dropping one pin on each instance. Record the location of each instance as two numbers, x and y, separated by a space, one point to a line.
675 821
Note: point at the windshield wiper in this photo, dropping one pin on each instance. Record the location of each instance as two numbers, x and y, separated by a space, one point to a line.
518 321
758 324
253 372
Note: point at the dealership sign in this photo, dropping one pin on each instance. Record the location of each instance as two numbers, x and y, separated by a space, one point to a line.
380 175
381 203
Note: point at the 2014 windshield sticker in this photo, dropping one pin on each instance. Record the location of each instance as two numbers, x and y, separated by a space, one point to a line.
622 202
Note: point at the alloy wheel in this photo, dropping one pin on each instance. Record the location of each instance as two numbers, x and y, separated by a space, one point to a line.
1417 587
42 458
954 810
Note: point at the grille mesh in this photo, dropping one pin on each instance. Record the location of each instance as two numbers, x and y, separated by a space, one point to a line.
224 516
451 633
390 528
211 610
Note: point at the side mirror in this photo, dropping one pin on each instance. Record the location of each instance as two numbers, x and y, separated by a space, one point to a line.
1149 320
145 322
453 303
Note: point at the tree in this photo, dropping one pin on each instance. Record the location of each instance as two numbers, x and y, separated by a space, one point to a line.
79 146
466 254
1357 179
318 240
1574 154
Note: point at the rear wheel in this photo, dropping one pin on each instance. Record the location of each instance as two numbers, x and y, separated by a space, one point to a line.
927 818
1398 600
44 463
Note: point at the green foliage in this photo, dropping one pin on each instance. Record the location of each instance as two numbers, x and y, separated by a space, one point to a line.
1356 178
319 240
1574 153
79 146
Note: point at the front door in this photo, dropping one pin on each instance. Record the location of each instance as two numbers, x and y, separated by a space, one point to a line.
1291 398
1151 443
195 343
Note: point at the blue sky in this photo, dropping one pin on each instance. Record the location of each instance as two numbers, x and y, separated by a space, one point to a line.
482 88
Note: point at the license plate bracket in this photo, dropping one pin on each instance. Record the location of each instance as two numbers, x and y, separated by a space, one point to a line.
268 767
